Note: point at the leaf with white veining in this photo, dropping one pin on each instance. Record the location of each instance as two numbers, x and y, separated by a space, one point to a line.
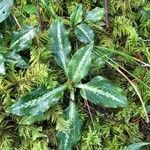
137 146
5 9
60 43
22 39
100 91
36 102
80 63
84 33
76 16
16 59
2 66
72 134
95 15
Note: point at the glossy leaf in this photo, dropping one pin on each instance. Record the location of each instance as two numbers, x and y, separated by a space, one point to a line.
80 63
22 39
36 102
84 33
5 9
2 66
60 43
16 59
95 15
76 16
72 134
100 91
136 146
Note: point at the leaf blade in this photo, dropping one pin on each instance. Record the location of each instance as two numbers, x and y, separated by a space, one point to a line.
60 43
95 15
84 33
100 91
80 63
2 66
72 135
36 102
5 9
137 146
23 38
76 16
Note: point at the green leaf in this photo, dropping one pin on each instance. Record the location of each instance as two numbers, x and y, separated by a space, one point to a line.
14 58
72 134
136 146
100 91
60 43
80 63
95 15
146 12
5 9
28 120
30 9
84 33
76 16
23 38
2 66
36 102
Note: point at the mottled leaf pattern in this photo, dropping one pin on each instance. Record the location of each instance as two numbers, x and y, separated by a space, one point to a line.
72 134
76 16
84 33
100 91
136 146
36 102
60 43
95 15
5 9
80 63
2 66
23 38
16 59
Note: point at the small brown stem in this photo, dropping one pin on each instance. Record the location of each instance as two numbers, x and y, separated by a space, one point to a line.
106 7
18 24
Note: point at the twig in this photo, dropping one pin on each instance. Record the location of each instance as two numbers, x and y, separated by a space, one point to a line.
106 7
18 24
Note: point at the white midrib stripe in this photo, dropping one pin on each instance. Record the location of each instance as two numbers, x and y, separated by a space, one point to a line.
85 33
31 103
63 58
79 67
96 90
31 32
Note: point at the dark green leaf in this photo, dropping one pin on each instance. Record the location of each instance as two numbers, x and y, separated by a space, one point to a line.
100 91
95 15
146 12
36 102
60 43
23 38
136 146
5 9
72 134
80 63
84 33
2 66
76 16
16 59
